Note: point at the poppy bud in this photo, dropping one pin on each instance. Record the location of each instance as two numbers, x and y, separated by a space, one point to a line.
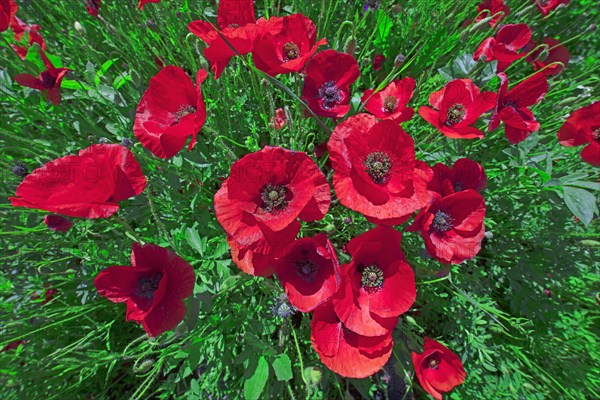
330 228
397 9
310 148
127 143
592 28
150 24
103 140
351 46
547 292
143 367
20 169
488 235
399 60
543 54
378 61
313 376
79 28
348 220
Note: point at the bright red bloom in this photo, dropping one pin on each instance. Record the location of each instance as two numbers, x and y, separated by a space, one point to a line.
259 203
546 6
142 3
583 127
458 105
88 185
438 369
377 61
505 46
170 111
555 52
464 174
309 272
93 6
327 83
452 227
153 287
256 263
8 10
390 103
286 45
279 120
58 223
511 107
345 352
496 8
48 82
375 170
377 286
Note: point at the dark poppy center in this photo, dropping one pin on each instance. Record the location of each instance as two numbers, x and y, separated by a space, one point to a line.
433 361
330 94
184 110
509 103
273 197
442 222
147 285
596 135
377 166
47 79
389 104
290 51
457 186
233 26
456 113
306 269
372 278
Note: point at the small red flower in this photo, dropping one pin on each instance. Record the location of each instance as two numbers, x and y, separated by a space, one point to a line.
464 174
511 107
58 223
438 369
88 185
8 10
279 120
93 6
153 287
378 61
345 352
496 8
49 295
458 105
377 286
583 127
390 103
142 3
555 52
375 170
327 83
309 272
13 345
546 6
48 82
170 111
505 46
286 45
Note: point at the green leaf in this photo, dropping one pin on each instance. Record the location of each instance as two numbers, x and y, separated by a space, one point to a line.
72 84
254 385
581 203
283 368
384 26
103 68
193 239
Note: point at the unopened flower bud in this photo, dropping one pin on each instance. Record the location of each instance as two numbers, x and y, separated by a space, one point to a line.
20 169
103 140
350 47
79 28
399 60
127 143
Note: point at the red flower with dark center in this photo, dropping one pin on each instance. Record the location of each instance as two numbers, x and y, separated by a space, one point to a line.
93 6
438 369
170 111
329 76
48 82
345 352
375 170
8 10
390 103
266 192
554 52
377 286
309 272
505 46
511 106
142 3
546 6
457 106
583 127
279 120
286 45
88 185
452 227
153 287
464 174
58 223
257 263
496 8
378 61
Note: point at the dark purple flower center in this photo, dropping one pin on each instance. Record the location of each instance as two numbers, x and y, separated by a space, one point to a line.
377 166
273 197
306 269
233 26
433 361
389 104
596 135
147 285
457 186
372 278
184 109
330 94
290 51
509 103
47 79
456 113
442 222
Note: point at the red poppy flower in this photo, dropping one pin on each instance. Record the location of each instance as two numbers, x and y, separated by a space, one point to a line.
511 107
378 61
390 103
377 286
309 272
279 120
48 82
375 171
8 10
438 369
452 227
258 263
458 105
555 52
505 46
58 223
286 45
93 6
153 287
496 8
345 352
170 111
49 295
464 174
583 127
327 83
88 185
13 345
259 203
20 28
142 3
546 6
